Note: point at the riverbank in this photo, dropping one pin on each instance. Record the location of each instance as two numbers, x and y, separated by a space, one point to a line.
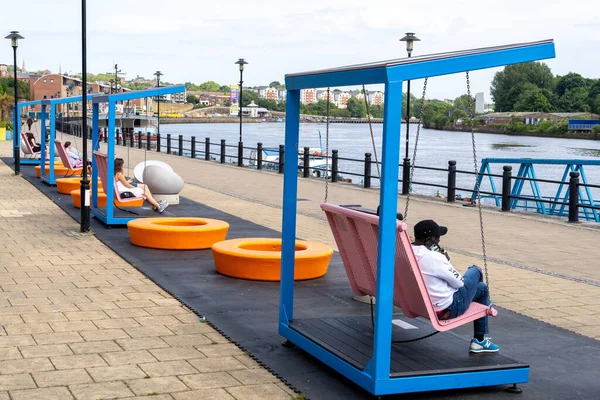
506 131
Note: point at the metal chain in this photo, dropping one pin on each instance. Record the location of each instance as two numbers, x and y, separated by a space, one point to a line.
412 167
477 182
327 149
372 137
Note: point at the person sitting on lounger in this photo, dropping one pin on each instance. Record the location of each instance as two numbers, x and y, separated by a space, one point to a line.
35 146
123 185
451 292
73 155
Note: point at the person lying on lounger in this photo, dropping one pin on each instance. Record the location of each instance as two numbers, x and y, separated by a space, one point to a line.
451 292
73 155
123 185
35 146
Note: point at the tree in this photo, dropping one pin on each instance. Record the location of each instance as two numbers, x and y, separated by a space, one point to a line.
568 82
6 102
356 108
594 95
509 83
225 89
575 100
249 96
462 103
432 109
210 86
190 98
376 111
533 99
274 84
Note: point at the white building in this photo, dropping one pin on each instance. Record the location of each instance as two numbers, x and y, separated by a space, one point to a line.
375 98
308 96
479 104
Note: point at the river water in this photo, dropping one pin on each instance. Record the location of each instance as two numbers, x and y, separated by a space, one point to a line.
435 149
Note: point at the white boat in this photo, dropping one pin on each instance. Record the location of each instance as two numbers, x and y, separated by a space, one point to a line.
317 161
131 121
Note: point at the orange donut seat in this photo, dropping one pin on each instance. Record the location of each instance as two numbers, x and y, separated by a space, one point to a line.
76 196
177 233
59 169
67 185
260 259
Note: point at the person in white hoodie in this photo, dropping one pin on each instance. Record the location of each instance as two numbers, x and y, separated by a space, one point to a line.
451 292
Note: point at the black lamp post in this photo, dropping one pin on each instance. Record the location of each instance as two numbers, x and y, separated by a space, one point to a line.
14 39
409 39
158 74
241 63
85 183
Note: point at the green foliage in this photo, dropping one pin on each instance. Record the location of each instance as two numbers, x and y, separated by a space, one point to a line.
224 89
7 85
210 86
138 85
568 82
545 126
440 121
596 129
320 108
190 98
575 100
356 108
376 110
432 109
275 84
249 96
6 124
533 99
508 84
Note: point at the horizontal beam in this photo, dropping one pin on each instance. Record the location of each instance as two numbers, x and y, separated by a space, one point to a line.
547 161
29 103
140 94
65 100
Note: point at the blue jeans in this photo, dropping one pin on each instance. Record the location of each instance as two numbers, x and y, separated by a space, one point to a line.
474 290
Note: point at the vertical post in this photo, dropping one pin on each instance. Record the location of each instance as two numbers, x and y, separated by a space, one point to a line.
334 166
379 366
105 134
148 141
17 125
281 158
259 151
290 194
139 139
131 139
110 153
117 137
180 145
451 197
168 143
158 142
367 178
240 154
506 184
207 149
85 183
95 146
306 163
193 144
222 151
406 176
574 196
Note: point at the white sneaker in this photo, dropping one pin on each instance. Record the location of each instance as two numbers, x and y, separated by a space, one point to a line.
162 205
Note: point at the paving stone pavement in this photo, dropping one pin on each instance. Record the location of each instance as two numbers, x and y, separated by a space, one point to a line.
78 322
539 266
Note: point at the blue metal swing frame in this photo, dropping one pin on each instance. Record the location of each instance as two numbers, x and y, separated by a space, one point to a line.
375 377
50 177
107 214
17 130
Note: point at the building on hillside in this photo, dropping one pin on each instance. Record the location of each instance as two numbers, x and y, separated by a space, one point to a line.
4 71
340 99
376 98
479 103
308 96
282 93
322 95
534 118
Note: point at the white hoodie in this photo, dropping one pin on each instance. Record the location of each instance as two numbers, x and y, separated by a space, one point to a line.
441 278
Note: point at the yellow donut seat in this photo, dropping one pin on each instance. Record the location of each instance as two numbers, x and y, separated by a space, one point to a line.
177 233
76 196
259 259
59 169
67 185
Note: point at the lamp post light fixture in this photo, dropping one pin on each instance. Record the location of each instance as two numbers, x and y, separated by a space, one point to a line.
14 41
241 62
410 38
158 74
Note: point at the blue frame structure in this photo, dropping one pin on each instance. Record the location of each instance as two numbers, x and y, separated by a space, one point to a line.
49 178
17 130
107 215
375 377
527 171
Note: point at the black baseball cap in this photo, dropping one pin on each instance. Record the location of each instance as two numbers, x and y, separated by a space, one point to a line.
429 228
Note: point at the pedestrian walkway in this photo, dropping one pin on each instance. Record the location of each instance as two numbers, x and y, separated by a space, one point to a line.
541 267
78 322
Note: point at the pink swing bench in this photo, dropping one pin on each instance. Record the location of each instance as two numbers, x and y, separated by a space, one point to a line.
356 235
102 163
64 157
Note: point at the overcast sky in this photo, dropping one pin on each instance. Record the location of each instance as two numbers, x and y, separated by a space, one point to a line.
192 40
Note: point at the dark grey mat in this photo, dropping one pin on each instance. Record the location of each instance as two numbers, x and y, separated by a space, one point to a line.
563 364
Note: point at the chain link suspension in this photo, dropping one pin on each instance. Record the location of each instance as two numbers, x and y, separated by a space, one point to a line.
477 182
412 167
327 148
372 137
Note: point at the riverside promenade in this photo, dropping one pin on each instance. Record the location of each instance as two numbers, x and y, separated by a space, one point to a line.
541 267
78 322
